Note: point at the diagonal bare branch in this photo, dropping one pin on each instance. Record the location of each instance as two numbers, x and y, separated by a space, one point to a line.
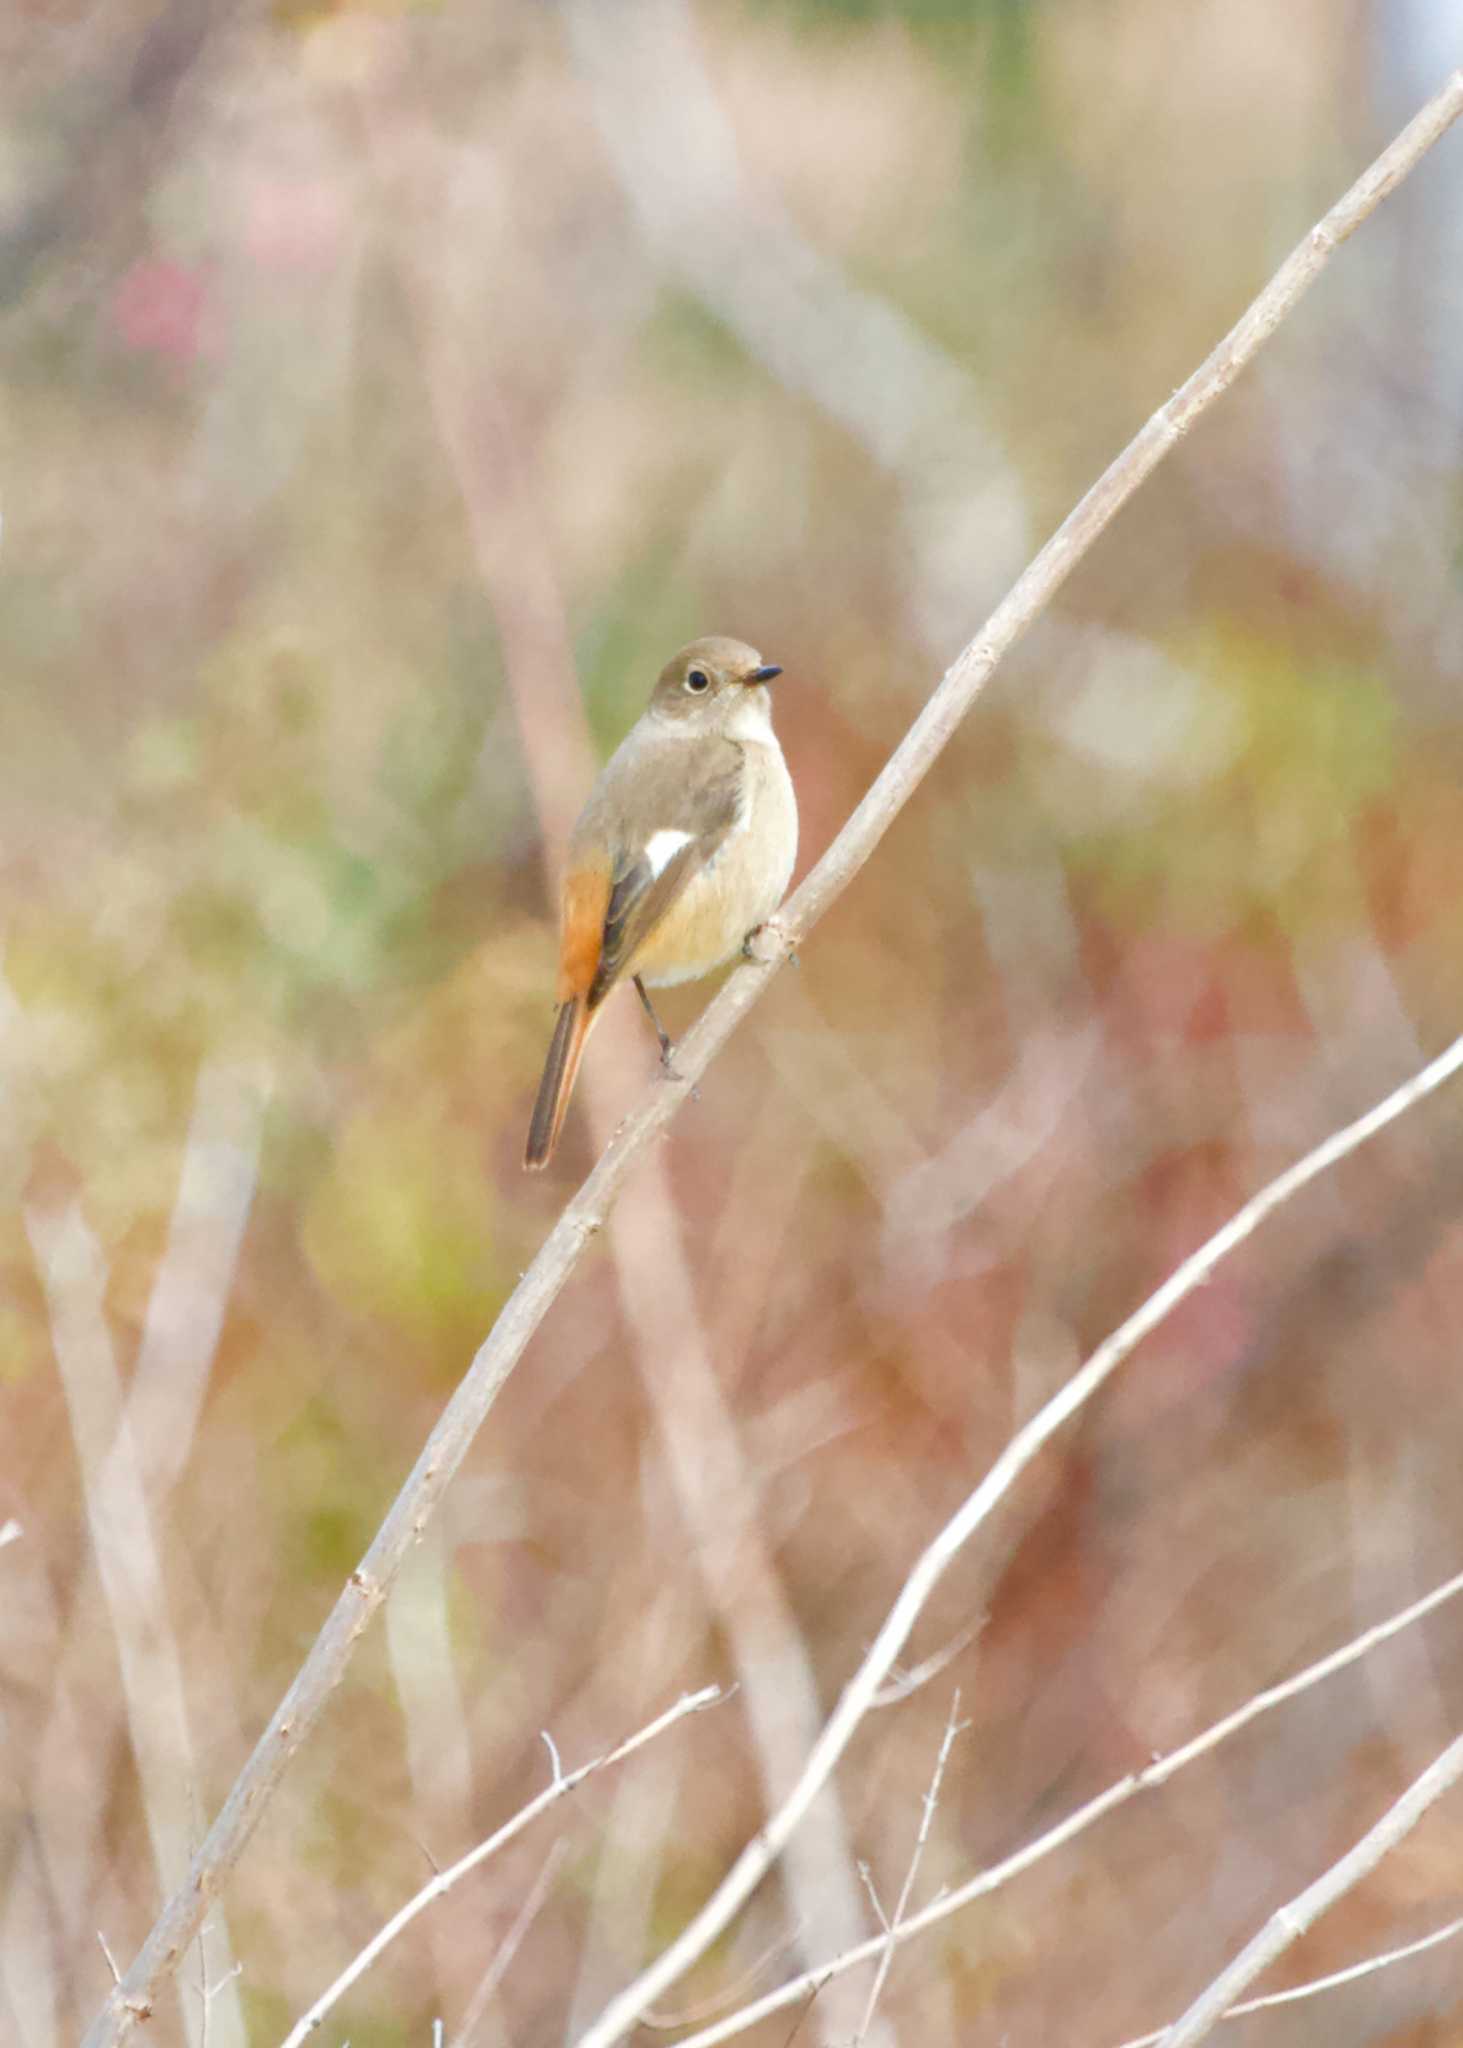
953 1727
864 1687
295 1717
560 1785
996 1875
1332 1982
1289 1922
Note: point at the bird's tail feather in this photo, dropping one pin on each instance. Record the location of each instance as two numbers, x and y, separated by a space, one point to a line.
566 1049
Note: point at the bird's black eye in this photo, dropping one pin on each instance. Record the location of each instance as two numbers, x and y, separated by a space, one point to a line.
698 680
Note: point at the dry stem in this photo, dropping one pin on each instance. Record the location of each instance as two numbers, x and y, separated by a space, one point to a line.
561 1785
295 1717
1077 1822
1288 1923
931 1801
1331 1982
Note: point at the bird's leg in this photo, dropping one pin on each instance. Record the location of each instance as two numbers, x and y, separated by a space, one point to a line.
666 1047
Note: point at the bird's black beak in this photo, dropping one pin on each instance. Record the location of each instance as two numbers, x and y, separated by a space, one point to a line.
768 670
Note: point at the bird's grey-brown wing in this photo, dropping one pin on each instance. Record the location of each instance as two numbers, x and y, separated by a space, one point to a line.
657 796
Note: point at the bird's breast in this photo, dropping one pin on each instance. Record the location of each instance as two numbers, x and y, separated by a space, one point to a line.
739 888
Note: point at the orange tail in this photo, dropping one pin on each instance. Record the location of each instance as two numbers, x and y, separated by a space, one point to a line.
566 1049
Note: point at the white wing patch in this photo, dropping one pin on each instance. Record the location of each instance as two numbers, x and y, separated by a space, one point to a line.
661 846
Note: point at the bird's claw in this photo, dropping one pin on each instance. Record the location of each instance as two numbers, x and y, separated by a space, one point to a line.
767 942
671 1072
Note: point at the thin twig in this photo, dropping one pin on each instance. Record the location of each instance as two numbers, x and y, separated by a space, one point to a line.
905 1683
1077 1822
808 2004
236 1970
670 2019
766 1845
563 1782
582 1219
499 1967
931 1801
1318 1984
1288 1923
866 1879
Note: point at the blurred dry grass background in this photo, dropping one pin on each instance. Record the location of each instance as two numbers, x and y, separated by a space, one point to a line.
386 393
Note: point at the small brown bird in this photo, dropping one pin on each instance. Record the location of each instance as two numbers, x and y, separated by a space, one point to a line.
685 846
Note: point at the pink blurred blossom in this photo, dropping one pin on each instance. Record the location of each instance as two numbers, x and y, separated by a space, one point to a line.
161 308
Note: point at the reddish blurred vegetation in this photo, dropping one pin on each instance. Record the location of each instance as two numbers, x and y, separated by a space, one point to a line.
388 391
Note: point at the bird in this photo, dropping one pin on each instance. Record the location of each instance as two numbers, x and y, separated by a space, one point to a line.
685 846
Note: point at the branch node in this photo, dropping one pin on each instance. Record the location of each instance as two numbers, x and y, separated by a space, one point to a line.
768 943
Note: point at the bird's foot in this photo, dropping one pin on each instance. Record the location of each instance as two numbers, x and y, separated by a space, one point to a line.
670 1071
769 941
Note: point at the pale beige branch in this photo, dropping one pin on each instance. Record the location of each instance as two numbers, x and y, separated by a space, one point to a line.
863 1688
584 1216
195 1277
1056 1838
904 1684
926 1821
562 1783
1317 1985
149 1431
1288 1923
1079 1820
74 1276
